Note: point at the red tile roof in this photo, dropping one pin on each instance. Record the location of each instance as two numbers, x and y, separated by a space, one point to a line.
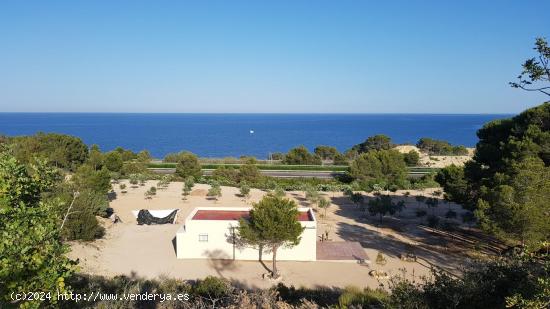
236 215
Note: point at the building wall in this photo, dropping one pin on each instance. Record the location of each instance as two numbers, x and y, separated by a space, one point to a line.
220 246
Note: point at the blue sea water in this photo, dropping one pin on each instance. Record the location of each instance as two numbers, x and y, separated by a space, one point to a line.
222 135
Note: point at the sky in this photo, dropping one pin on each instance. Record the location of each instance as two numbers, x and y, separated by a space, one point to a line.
268 56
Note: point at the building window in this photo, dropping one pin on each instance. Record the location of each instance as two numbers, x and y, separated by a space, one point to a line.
203 237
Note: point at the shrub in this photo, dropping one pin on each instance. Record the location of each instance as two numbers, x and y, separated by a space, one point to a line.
301 155
248 160
433 221
354 297
212 288
420 213
142 179
439 147
382 167
426 181
468 217
376 142
226 174
134 179
188 165
380 259
449 225
87 178
190 182
82 225
63 151
340 159
322 296
215 190
279 192
249 173
405 294
150 193
96 202
412 158
113 161
244 190
451 214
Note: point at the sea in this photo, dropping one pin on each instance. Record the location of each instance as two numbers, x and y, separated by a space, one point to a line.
235 135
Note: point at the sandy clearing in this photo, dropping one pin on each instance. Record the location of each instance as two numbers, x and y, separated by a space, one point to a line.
148 251
437 161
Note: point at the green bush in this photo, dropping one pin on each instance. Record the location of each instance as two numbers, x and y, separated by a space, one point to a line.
354 297
301 155
249 173
376 142
212 287
322 296
60 150
405 294
83 226
380 166
439 147
113 161
188 165
495 283
412 158
224 173
129 168
424 182
86 178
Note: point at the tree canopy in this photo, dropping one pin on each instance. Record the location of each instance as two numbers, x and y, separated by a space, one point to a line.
507 182
273 223
31 256
412 158
86 177
455 185
381 206
380 167
439 147
326 152
536 70
375 142
518 207
61 150
113 161
188 165
300 155
248 173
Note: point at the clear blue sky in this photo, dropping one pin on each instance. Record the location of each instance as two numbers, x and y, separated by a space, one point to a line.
283 56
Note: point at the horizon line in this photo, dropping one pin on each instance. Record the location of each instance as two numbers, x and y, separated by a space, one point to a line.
265 113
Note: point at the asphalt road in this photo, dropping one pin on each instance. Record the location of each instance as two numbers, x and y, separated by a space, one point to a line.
282 174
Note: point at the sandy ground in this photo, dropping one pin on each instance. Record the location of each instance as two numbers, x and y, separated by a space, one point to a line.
437 161
148 251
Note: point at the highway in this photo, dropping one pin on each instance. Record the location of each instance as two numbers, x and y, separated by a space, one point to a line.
282 173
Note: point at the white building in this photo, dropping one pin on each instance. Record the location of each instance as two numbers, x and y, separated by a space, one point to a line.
208 232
